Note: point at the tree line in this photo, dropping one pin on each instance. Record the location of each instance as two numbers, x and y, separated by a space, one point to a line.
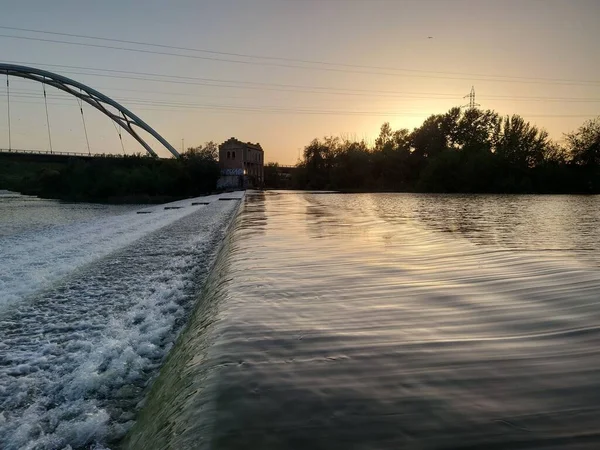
463 150
114 179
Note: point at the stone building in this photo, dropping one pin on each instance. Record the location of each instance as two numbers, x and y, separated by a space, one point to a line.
242 159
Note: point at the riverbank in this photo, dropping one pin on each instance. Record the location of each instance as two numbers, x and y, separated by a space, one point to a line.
461 151
109 179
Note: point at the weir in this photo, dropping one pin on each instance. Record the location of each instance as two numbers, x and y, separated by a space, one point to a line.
89 308
180 409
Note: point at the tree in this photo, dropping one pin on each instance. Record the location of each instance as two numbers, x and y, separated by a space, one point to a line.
390 159
473 130
318 161
385 137
463 150
208 151
521 143
351 168
272 175
430 139
555 153
584 144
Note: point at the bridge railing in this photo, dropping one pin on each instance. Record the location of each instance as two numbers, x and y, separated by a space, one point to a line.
46 152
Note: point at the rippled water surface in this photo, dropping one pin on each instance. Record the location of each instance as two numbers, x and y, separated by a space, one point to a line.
391 321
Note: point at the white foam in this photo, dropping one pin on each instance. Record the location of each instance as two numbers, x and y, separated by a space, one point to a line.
33 260
76 353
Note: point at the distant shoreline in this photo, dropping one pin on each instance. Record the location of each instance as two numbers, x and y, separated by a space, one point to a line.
109 180
375 191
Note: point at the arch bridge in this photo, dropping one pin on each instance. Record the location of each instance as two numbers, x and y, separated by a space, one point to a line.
122 117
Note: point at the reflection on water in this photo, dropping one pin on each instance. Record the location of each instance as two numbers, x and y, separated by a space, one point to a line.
520 222
392 321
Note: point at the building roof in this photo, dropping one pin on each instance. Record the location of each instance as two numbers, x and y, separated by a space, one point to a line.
250 145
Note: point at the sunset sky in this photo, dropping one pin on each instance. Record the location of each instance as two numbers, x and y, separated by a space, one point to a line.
284 72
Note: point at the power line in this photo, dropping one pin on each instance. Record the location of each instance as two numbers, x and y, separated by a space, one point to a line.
392 95
126 99
150 102
276 58
271 110
263 108
266 109
173 104
210 82
330 69
230 83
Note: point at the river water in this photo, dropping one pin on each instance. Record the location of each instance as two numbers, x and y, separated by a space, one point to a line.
391 321
91 299
328 321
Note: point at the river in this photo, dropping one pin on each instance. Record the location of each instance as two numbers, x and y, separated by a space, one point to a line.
391 321
327 321
91 299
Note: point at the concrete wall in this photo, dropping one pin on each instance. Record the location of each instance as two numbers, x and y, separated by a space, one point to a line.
230 182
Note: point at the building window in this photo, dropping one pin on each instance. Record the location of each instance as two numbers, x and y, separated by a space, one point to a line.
228 155
232 155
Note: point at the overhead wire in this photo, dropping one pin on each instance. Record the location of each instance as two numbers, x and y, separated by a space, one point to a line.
292 87
169 78
286 59
195 81
25 94
486 78
264 108
153 106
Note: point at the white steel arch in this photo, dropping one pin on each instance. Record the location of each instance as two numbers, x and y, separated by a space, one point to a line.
126 119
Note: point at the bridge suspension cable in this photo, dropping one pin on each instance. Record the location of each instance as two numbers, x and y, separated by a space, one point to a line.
47 118
106 105
84 127
118 130
8 103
